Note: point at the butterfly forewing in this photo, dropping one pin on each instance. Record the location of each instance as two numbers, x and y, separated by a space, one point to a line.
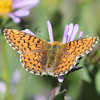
23 42
79 48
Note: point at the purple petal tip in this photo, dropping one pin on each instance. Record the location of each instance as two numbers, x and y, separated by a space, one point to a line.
50 31
61 79
29 32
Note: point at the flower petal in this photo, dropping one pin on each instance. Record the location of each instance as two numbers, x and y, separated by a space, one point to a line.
39 97
23 3
80 35
65 36
50 31
21 13
28 31
3 88
61 78
16 77
75 30
15 19
70 31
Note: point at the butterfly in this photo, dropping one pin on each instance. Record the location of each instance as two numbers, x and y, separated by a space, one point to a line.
42 58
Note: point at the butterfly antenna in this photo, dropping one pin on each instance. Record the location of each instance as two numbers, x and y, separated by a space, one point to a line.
44 35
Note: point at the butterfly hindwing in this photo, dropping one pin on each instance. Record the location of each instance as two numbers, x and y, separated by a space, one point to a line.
35 62
63 64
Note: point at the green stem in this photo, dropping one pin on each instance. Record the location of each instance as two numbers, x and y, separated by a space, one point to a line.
55 91
5 69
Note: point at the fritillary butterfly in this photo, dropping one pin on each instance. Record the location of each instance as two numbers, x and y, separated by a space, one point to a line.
40 57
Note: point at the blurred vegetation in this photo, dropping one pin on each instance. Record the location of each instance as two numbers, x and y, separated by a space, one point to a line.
83 84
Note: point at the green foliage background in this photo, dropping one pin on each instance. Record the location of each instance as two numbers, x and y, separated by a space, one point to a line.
83 84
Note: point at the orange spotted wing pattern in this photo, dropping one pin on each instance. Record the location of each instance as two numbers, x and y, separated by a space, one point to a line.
39 57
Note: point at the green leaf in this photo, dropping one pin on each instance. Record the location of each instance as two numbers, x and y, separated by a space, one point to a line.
60 96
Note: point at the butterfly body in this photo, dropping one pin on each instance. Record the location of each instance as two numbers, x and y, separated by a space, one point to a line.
53 51
40 57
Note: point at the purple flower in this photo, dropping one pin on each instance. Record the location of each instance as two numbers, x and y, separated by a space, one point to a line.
29 32
3 87
43 96
16 9
69 34
15 79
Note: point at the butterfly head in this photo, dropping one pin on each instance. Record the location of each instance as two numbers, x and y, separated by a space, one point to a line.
56 43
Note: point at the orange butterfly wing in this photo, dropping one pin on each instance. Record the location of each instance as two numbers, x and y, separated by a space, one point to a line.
35 62
33 50
23 42
69 53
63 64
40 57
81 47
